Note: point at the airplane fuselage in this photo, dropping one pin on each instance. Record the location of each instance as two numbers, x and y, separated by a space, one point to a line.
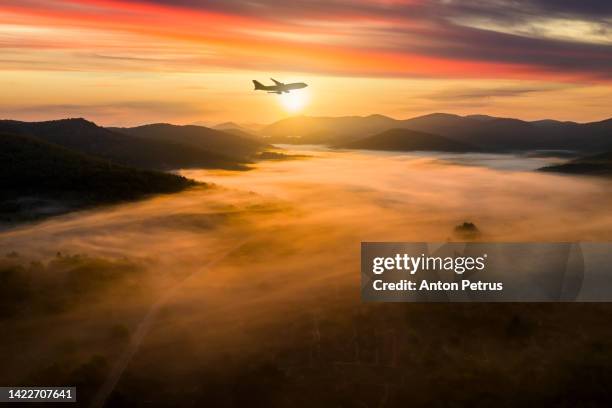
279 87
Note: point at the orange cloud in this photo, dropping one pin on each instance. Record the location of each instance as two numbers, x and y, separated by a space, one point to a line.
376 44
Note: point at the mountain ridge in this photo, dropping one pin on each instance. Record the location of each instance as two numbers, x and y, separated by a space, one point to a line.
39 178
597 164
200 137
408 140
489 133
86 137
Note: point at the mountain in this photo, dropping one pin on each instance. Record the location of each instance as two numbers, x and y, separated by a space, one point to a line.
488 133
198 137
507 134
249 127
344 129
88 138
551 123
482 118
229 126
244 135
444 124
39 178
598 164
496 134
409 140
325 129
237 130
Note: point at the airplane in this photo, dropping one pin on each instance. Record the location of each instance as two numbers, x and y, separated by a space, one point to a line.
278 87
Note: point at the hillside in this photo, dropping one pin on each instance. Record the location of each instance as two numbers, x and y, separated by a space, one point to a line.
409 140
244 134
40 178
199 137
598 164
488 133
508 134
330 130
235 128
88 138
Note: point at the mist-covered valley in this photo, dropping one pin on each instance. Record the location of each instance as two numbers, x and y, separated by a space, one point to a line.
245 291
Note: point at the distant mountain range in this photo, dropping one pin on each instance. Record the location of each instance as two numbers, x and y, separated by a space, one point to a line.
55 166
408 140
225 143
159 146
326 130
486 133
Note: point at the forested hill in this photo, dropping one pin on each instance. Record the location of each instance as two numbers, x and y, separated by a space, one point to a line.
88 138
38 178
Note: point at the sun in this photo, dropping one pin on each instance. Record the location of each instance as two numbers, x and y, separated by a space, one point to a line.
294 101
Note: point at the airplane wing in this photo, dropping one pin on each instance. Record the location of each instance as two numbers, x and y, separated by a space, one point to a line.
276 82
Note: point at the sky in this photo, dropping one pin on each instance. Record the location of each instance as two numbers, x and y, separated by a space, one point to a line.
183 61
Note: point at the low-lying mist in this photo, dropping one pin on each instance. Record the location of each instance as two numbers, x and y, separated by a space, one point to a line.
249 289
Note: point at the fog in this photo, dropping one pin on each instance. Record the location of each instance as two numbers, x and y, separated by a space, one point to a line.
247 267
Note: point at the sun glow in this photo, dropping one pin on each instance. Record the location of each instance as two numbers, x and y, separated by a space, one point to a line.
294 101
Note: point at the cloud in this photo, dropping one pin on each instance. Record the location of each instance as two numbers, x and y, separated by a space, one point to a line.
480 93
446 38
118 113
516 9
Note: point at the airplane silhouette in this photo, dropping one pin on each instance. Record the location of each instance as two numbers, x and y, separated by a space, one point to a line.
278 87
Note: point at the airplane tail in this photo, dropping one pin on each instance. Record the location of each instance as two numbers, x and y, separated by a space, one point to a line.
258 85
